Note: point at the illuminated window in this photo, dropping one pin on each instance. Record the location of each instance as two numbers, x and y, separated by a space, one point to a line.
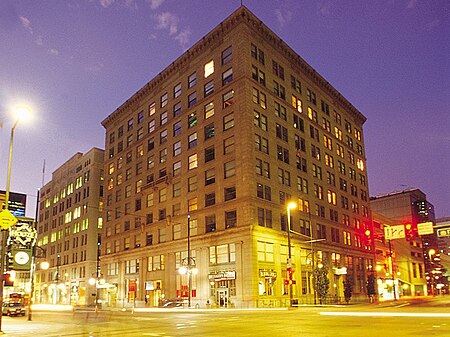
192 161
192 204
209 110
209 68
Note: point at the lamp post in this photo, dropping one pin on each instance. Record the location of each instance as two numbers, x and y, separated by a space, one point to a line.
290 205
188 267
20 112
431 271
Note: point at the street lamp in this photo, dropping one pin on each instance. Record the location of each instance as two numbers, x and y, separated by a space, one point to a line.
290 205
431 271
20 112
188 266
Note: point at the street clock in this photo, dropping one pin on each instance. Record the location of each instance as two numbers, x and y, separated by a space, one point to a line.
21 258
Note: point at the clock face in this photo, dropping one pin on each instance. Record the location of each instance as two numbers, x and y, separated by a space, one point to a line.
21 258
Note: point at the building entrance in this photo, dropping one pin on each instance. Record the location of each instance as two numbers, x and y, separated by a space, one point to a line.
222 297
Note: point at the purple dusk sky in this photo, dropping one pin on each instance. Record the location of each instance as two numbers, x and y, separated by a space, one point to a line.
76 61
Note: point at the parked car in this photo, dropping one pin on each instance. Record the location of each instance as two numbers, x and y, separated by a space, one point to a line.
13 309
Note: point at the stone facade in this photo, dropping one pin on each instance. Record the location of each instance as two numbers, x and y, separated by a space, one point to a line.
257 128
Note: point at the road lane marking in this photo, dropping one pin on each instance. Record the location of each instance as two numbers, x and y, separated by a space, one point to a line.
385 314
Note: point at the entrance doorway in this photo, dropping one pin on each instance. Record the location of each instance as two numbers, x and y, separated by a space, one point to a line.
222 297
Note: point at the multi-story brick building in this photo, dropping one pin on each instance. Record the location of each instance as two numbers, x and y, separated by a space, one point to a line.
69 229
226 135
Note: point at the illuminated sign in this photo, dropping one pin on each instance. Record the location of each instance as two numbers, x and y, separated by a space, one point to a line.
223 275
267 273
425 228
443 232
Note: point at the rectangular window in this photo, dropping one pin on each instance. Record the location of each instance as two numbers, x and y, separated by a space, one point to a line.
227 55
209 88
209 110
152 109
229 169
192 204
210 177
230 193
210 223
192 140
259 98
192 183
177 109
227 76
192 99
228 145
192 119
163 100
228 122
192 161
209 154
177 90
227 99
260 120
210 199
192 80
209 68
230 219
177 128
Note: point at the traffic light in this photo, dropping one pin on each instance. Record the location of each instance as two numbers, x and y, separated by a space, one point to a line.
367 237
410 231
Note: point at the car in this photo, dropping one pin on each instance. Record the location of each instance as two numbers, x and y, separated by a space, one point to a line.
13 309
173 304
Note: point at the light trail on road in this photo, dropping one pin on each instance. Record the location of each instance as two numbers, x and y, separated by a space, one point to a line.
385 314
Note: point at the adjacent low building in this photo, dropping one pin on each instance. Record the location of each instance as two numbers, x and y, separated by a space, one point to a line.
69 229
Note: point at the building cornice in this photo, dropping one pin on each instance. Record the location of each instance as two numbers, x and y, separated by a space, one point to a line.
214 37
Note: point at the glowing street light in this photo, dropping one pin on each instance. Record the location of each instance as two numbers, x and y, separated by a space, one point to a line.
20 112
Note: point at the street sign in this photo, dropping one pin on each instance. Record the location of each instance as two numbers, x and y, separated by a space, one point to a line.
443 232
394 232
7 219
425 228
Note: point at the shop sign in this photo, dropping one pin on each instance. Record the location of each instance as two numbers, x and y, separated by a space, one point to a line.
340 271
223 275
24 234
267 273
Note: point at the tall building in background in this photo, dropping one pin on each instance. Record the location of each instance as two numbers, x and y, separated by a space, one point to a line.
222 140
69 229
17 202
410 207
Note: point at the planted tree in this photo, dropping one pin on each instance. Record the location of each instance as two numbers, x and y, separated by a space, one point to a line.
348 289
321 282
371 287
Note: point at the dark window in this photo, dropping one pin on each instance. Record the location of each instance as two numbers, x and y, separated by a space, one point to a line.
230 219
210 223
210 199
230 193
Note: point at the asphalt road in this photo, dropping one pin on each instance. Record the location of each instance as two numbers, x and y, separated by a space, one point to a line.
401 319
